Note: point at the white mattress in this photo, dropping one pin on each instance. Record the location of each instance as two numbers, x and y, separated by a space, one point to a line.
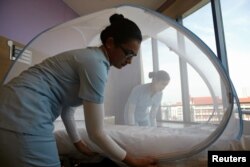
149 141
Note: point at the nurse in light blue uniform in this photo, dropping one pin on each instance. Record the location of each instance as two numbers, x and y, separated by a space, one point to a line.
32 101
144 100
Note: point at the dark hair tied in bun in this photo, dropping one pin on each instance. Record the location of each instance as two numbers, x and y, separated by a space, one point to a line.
121 30
159 76
116 18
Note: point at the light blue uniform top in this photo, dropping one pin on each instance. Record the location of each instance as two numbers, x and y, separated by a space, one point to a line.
33 100
143 101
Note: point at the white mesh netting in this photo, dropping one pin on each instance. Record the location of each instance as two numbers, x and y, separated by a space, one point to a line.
198 123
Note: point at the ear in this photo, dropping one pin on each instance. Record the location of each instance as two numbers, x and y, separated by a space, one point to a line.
110 43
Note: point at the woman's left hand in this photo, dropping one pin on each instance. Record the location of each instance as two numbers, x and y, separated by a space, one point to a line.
84 149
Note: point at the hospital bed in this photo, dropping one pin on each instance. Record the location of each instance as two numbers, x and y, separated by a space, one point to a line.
151 141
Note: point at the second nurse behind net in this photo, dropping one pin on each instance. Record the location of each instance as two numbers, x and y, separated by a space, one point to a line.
144 100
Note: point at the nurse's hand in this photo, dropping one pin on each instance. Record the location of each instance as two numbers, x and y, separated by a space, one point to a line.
140 161
83 148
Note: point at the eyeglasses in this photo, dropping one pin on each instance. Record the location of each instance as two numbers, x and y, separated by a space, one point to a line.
128 53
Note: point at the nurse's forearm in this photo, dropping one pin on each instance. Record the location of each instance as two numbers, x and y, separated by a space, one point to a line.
153 113
67 116
94 115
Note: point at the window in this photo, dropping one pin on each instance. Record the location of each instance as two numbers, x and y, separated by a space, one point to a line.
169 62
147 61
201 24
236 26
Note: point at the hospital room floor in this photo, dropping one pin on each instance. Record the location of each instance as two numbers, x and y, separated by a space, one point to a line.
104 163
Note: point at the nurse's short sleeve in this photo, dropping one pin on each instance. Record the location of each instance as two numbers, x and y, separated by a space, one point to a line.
157 99
135 94
93 76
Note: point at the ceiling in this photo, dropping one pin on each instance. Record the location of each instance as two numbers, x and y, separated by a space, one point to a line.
171 8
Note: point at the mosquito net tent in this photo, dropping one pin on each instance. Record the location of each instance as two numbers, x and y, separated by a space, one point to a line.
189 126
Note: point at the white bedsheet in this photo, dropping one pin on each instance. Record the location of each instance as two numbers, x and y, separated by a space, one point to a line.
149 141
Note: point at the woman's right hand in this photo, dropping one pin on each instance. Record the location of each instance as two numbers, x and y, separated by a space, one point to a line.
140 161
